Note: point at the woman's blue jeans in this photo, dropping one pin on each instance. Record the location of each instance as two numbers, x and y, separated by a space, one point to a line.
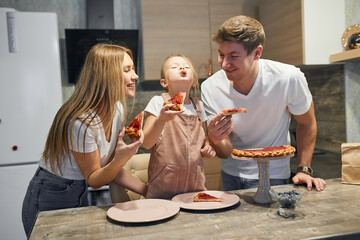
47 191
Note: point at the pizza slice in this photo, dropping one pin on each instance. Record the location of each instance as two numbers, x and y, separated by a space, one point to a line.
204 197
178 101
134 128
233 111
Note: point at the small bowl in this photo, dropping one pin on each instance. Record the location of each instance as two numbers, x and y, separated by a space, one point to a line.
287 202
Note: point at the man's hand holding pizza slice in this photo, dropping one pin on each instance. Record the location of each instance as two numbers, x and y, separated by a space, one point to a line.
219 128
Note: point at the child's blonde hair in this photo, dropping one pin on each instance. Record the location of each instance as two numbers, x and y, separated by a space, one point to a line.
196 88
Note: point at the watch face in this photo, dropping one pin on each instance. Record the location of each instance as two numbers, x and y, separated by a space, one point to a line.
308 169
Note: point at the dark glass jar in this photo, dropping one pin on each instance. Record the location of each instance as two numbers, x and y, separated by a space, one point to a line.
354 41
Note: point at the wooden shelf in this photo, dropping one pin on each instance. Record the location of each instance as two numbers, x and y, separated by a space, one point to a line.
347 56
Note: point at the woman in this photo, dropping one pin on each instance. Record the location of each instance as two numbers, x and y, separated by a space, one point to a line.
85 144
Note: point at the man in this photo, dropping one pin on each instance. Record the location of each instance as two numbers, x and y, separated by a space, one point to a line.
271 92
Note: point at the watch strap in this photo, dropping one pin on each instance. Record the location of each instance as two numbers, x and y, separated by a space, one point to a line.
305 169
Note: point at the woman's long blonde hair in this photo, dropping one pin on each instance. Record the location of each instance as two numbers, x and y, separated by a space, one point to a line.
100 85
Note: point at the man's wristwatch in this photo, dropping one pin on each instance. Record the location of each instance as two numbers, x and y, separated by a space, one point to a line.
305 169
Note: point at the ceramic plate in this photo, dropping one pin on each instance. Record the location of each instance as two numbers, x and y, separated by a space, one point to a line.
143 210
186 200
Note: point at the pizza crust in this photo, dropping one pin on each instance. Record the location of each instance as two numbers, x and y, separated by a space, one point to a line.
175 107
274 151
131 133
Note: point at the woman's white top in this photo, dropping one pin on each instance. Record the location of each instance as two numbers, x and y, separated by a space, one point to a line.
95 139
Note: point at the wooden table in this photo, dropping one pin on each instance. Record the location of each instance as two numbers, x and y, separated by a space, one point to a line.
332 213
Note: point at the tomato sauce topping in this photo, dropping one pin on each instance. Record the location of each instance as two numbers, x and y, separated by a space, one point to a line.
205 196
267 149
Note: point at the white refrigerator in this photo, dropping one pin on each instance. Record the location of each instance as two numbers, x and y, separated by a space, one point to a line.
30 95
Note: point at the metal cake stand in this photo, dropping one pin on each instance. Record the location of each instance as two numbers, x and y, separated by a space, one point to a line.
264 193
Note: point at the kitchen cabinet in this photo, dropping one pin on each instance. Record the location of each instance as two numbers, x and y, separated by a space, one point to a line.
220 11
172 26
212 168
302 32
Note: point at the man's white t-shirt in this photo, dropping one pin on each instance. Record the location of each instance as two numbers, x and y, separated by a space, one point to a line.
94 139
279 91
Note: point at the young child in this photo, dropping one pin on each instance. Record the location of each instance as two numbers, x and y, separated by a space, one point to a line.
85 144
177 138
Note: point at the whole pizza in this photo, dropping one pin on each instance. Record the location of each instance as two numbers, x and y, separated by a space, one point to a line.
274 151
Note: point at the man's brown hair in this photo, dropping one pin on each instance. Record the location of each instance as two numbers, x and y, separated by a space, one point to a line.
241 29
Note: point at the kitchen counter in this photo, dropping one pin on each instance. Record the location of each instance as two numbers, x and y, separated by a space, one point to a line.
333 213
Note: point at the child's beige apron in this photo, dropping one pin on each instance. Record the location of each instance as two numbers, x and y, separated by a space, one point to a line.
176 165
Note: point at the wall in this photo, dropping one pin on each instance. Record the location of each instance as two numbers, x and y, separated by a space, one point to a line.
336 93
352 80
326 83
73 14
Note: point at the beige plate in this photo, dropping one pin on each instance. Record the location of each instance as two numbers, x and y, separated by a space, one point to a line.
143 210
186 200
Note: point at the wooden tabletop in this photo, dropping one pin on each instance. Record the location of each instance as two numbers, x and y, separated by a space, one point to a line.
333 212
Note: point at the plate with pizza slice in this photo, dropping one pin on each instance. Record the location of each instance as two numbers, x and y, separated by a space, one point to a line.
268 153
206 200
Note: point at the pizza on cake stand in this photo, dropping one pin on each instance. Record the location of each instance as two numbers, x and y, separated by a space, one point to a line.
263 156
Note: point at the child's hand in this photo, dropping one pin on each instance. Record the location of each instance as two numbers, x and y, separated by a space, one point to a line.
208 151
166 114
